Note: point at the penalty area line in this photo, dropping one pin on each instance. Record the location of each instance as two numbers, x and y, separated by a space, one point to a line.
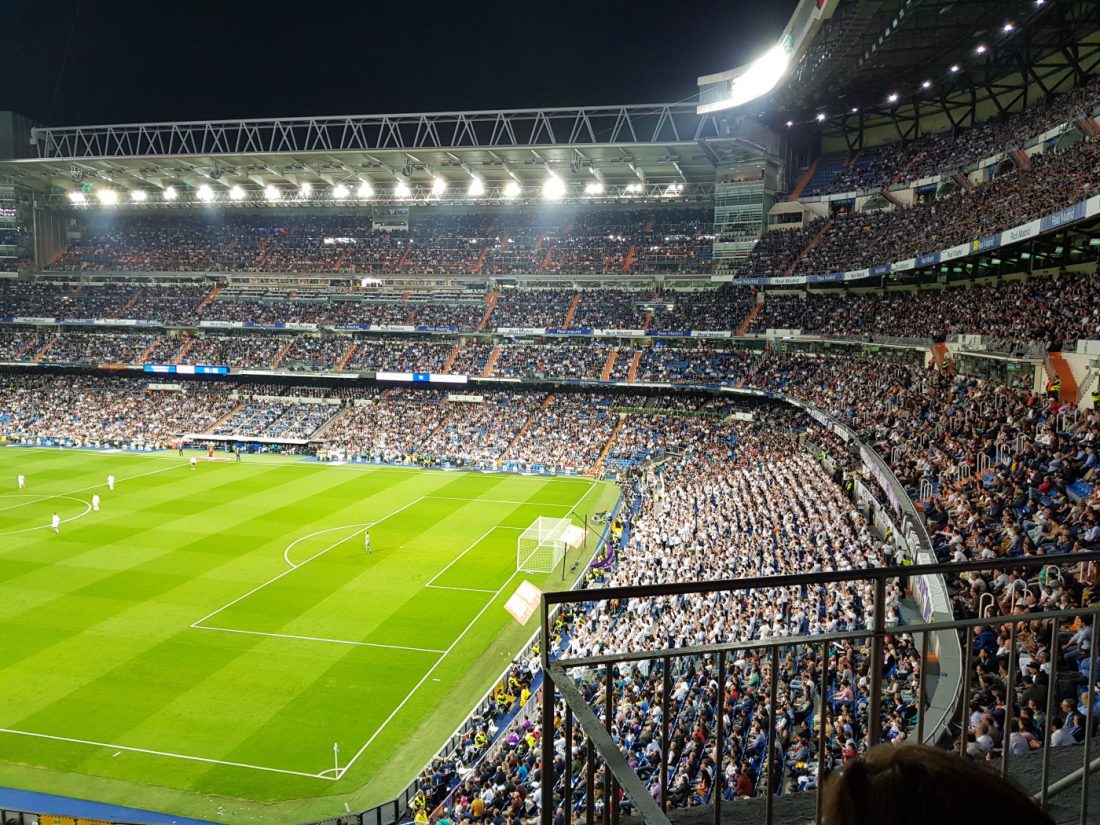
318 639
166 754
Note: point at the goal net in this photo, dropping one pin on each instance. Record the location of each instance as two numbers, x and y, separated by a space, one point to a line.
541 547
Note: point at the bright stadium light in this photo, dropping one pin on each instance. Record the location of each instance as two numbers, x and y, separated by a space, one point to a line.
401 190
76 197
305 190
593 187
477 188
926 84
271 192
107 197
955 69
892 97
820 117
761 76
981 49
439 186
855 110
205 193
790 123
365 191
139 196
511 189
553 188
170 193
1008 27
339 191
236 193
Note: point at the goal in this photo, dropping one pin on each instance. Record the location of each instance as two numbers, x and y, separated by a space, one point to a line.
541 547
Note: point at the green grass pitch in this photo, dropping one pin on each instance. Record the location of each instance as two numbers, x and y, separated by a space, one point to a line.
200 644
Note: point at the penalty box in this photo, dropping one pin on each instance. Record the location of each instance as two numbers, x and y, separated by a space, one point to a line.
433 564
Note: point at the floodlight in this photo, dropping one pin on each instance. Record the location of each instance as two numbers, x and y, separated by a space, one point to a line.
511 189
855 110
926 84
790 123
477 188
107 197
76 197
401 190
981 48
305 189
955 69
365 191
593 188
170 193
139 196
892 97
205 193
271 192
236 193
553 188
339 191
820 117
760 77
439 186
1008 27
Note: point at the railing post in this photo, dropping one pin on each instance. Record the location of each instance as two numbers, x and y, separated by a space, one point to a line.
609 701
878 628
1048 734
666 689
964 697
1010 698
546 809
589 781
720 743
922 686
1090 726
773 699
567 787
822 739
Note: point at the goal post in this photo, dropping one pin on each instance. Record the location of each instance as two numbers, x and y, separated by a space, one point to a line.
541 547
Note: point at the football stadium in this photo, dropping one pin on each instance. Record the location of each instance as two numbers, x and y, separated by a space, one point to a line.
726 459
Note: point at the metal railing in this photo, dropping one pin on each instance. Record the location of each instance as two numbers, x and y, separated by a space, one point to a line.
623 787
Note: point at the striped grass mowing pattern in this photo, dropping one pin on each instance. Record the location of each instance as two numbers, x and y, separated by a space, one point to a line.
200 644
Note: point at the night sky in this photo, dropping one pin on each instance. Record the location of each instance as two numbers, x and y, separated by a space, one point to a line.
65 62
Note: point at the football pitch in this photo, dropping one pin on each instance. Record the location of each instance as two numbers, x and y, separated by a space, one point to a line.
201 644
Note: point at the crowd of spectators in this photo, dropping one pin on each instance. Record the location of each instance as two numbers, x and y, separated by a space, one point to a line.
1052 181
565 239
949 152
105 413
1041 310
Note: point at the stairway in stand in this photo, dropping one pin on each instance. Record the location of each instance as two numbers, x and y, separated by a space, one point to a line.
814 241
747 322
1062 369
282 353
633 373
451 359
571 311
491 363
610 443
343 362
490 304
609 365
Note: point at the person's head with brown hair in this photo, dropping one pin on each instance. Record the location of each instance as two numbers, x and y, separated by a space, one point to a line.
919 785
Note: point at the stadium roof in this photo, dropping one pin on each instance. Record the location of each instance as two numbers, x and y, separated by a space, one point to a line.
657 150
872 57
